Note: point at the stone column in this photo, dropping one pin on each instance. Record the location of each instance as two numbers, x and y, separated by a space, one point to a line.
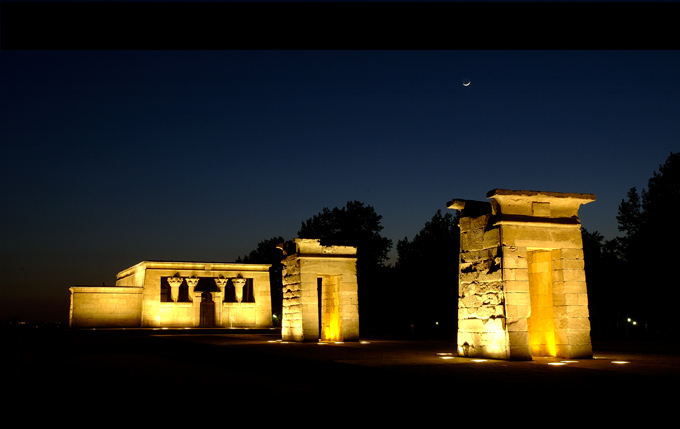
192 282
221 283
175 283
218 297
238 283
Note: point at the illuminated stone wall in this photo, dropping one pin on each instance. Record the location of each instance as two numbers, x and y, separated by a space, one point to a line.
100 306
522 286
320 300
105 306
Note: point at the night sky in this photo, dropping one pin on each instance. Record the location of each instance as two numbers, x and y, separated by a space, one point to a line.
109 158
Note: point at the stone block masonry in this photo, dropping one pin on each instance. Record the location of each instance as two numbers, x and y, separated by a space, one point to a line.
522 286
155 294
320 293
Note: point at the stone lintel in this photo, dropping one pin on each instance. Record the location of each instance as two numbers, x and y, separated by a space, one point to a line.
316 256
538 204
307 247
192 266
565 222
107 289
540 195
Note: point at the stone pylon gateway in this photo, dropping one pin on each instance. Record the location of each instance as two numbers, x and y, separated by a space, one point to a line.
320 300
522 285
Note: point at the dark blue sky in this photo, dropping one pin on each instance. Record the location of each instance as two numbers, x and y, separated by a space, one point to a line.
109 158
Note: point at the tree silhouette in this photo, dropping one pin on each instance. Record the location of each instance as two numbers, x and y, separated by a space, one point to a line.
609 297
358 225
649 246
427 273
355 224
630 213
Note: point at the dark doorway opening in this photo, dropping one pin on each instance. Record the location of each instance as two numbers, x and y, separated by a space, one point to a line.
207 311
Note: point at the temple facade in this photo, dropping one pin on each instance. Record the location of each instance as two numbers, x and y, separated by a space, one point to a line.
320 292
521 290
522 285
178 295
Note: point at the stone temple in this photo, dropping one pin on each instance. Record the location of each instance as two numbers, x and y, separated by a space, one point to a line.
156 294
522 285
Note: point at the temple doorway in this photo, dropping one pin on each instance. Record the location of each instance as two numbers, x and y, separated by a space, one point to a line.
330 323
207 317
541 323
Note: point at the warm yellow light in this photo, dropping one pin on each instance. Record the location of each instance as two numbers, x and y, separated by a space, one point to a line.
444 354
541 323
620 361
570 361
331 320
556 363
478 360
364 342
446 357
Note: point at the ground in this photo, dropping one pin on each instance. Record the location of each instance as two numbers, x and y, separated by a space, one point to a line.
254 372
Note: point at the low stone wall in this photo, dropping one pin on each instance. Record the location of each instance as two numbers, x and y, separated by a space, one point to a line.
100 306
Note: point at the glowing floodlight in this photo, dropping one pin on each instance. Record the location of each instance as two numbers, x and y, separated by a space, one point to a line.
620 361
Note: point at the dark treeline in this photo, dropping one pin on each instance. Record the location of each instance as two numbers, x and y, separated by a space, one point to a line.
629 277
416 297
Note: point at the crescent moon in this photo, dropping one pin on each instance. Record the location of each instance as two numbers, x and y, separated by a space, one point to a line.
467 83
